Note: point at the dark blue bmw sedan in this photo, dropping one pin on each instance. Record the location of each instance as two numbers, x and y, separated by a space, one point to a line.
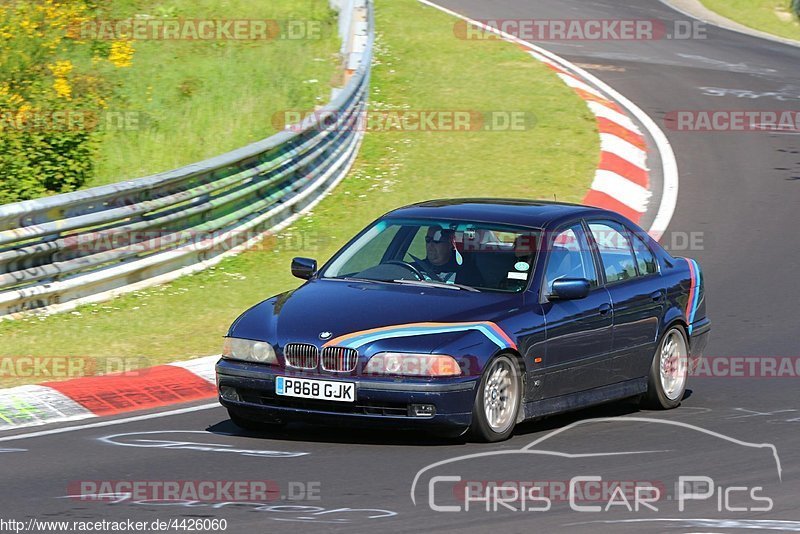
470 316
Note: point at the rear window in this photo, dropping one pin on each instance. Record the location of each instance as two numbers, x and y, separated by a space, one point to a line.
645 259
615 250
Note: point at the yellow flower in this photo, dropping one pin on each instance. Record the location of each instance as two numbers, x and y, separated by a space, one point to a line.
121 53
61 69
62 88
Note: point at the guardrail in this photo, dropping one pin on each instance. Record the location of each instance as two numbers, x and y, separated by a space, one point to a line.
86 246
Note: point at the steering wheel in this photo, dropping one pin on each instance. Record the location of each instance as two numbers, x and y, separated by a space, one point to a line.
431 274
408 266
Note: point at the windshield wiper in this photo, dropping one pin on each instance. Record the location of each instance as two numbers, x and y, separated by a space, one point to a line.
431 283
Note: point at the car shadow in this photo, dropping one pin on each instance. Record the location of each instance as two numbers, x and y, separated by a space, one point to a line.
301 432
612 409
546 424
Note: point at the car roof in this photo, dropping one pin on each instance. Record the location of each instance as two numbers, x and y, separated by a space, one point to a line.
529 213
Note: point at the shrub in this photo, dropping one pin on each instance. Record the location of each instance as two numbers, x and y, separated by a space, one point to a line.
49 79
35 164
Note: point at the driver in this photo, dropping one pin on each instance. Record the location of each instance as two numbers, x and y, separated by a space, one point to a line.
442 259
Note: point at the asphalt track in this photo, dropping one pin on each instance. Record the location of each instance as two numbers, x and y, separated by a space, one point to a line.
740 191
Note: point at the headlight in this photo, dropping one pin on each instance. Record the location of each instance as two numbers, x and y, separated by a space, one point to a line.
406 364
248 351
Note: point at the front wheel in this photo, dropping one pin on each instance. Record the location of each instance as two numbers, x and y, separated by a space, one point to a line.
498 400
666 384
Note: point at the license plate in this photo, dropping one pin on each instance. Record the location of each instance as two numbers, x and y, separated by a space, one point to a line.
315 389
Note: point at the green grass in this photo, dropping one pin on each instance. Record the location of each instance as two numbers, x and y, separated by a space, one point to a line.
771 16
420 66
195 100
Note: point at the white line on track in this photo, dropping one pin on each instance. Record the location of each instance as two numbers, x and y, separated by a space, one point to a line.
575 83
113 422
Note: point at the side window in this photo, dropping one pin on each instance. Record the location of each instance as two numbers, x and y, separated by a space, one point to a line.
570 257
615 251
417 247
644 257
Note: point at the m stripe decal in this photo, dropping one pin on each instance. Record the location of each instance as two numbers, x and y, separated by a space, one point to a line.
357 339
694 292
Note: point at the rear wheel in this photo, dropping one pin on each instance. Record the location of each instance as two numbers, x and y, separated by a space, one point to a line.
669 371
498 400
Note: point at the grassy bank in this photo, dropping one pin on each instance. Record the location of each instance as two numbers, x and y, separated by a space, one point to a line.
771 16
195 100
420 66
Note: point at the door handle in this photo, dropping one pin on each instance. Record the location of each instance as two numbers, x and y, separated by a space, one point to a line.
604 309
656 295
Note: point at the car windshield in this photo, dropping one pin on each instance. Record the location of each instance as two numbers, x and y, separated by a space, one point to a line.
449 254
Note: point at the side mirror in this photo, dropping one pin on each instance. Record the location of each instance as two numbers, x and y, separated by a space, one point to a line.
570 289
304 267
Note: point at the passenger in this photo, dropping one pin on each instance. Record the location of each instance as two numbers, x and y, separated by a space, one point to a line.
518 273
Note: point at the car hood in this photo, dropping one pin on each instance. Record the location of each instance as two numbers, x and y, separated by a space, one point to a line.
339 308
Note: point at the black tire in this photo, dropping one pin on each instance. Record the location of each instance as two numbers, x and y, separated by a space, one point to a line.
482 429
250 424
658 397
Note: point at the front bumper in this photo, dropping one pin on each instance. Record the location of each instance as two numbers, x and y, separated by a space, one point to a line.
379 402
